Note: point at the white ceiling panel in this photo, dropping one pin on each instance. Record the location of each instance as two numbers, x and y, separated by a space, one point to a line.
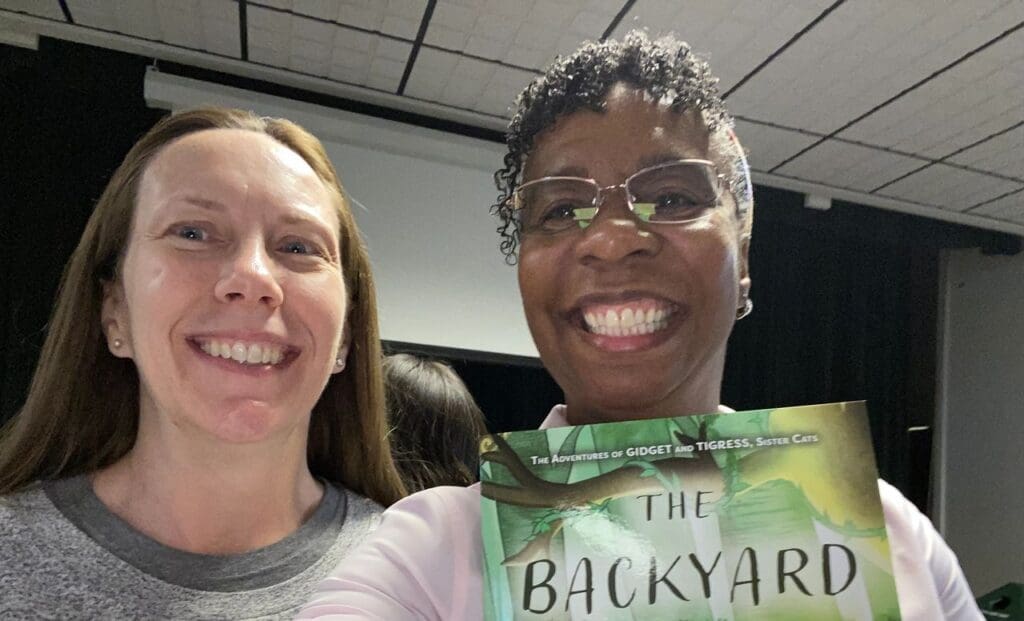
40 8
395 17
136 18
316 48
501 91
1008 207
1003 154
526 34
400 18
767 146
736 34
455 80
864 53
850 166
430 74
479 54
972 100
209 25
950 188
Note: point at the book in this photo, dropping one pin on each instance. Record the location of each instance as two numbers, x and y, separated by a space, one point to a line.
766 514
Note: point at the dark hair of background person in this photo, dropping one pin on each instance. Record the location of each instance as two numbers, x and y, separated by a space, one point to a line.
436 424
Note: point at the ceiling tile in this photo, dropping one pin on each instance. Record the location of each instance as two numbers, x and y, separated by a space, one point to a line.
395 17
526 34
948 187
962 105
767 146
738 35
430 74
851 166
221 37
1009 207
47 8
322 9
1003 154
848 79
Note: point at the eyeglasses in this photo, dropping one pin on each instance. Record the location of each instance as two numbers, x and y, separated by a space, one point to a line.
672 193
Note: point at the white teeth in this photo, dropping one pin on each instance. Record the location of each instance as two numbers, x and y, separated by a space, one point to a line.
627 318
611 319
243 353
628 321
255 355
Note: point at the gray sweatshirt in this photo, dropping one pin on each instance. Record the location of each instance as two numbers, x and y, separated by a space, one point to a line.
64 555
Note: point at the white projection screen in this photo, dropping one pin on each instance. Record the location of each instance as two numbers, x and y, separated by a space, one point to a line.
423 197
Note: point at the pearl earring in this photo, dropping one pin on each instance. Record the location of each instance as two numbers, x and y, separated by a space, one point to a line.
339 363
118 343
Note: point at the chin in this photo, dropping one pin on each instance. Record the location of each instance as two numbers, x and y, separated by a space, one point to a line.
245 424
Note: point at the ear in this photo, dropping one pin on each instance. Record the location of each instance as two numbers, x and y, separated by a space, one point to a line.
342 355
114 320
744 266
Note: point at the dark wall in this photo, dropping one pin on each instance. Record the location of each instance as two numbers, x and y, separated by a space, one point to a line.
69 114
845 300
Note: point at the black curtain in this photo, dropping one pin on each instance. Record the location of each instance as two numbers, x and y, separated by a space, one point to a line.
68 116
845 300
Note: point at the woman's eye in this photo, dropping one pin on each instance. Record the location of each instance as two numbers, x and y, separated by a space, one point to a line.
191 233
559 211
674 200
297 246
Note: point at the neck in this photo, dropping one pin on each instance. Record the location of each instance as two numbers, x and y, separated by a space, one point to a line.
699 395
210 498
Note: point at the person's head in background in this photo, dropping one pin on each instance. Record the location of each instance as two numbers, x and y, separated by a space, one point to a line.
219 305
436 424
630 304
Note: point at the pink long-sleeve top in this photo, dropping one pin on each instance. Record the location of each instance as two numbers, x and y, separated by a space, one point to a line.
424 562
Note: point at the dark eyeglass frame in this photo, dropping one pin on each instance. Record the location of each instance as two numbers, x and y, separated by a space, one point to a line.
718 183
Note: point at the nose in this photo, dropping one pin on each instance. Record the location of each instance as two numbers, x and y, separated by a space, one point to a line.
248 276
615 234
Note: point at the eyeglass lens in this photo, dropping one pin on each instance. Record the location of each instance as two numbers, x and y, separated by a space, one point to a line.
671 193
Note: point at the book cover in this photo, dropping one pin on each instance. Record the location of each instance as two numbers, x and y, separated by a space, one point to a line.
767 514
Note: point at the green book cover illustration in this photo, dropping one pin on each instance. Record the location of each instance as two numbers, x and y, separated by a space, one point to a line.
767 514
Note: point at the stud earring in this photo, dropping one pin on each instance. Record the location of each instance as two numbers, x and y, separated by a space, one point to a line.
748 307
118 343
339 364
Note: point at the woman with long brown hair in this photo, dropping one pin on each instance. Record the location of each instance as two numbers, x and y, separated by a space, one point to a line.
205 433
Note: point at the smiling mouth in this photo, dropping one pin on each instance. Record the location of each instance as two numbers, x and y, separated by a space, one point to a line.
243 352
633 318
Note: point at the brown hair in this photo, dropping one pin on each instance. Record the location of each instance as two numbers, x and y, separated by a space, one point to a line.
436 424
81 413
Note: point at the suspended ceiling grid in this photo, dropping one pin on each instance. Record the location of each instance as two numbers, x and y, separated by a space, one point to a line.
918 104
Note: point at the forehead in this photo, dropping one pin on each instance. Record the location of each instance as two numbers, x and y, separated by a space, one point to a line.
633 129
234 163
233 150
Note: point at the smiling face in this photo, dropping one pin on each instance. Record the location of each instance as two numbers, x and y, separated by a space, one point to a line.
230 298
630 318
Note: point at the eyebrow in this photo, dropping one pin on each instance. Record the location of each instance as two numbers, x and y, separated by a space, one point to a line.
567 171
205 203
304 219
